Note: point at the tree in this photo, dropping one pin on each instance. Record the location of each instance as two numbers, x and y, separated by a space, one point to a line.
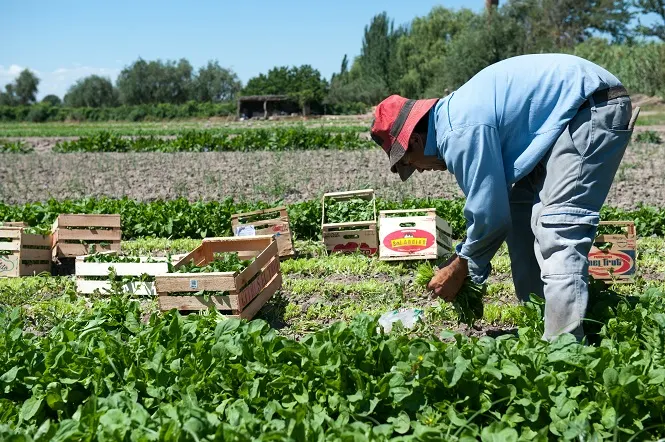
214 83
155 82
657 7
378 50
52 100
8 98
304 84
25 87
92 91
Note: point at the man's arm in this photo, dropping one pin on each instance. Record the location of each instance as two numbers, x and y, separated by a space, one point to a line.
473 155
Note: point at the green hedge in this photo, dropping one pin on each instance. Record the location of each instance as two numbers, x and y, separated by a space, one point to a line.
180 218
278 138
43 112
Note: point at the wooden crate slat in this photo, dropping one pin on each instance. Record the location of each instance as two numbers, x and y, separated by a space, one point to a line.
30 239
72 250
35 255
247 294
30 269
197 302
13 246
259 301
238 217
138 288
183 282
10 232
121 268
237 243
88 220
89 235
261 261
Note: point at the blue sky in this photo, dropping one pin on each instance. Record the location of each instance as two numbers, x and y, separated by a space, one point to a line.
68 39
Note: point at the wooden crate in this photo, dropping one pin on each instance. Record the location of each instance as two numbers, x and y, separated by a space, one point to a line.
413 234
248 290
618 263
266 222
26 254
86 270
77 235
350 236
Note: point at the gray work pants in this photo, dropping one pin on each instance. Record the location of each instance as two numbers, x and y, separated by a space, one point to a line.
555 213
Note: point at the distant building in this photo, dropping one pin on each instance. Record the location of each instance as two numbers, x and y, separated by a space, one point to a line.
265 106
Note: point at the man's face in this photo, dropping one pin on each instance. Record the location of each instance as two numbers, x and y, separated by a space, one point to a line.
416 157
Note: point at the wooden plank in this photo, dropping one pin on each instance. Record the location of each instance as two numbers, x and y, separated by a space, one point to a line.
167 302
13 232
88 220
194 282
239 216
71 250
267 223
197 255
30 239
261 261
35 255
259 301
33 269
388 212
257 285
13 224
89 235
121 268
13 246
349 193
137 288
330 226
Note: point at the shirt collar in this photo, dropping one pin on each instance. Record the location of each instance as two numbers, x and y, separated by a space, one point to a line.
430 145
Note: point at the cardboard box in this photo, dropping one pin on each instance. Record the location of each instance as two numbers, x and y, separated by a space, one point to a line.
350 236
616 261
266 222
413 234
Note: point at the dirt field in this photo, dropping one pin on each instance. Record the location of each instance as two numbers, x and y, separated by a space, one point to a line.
291 176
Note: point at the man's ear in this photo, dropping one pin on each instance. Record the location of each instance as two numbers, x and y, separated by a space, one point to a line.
416 142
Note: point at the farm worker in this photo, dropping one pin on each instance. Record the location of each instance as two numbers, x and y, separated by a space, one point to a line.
534 142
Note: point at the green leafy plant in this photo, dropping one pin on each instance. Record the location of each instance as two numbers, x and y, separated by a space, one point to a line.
15 147
648 136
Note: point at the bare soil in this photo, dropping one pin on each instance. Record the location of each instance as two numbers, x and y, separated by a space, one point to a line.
268 176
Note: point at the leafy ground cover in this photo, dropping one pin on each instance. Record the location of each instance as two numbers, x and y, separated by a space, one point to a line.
110 374
181 218
278 139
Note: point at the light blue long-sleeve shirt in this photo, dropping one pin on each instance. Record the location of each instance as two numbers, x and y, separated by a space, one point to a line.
494 130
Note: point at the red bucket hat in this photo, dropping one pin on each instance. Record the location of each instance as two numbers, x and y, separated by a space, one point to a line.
392 126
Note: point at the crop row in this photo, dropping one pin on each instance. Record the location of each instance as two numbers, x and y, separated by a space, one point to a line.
180 218
108 375
299 138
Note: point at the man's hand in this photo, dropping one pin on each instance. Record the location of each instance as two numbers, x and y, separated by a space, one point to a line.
448 281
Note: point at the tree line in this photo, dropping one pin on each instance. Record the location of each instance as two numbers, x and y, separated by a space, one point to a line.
428 57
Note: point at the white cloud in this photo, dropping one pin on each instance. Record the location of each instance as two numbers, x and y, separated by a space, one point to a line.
59 80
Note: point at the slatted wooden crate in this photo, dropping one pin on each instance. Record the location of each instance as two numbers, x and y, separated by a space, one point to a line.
617 263
350 236
77 235
266 222
248 290
413 234
87 270
23 254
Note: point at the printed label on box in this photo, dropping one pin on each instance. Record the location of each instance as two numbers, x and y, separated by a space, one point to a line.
621 262
409 240
194 284
245 231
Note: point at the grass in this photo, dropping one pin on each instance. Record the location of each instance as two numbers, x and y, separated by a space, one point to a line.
162 128
319 289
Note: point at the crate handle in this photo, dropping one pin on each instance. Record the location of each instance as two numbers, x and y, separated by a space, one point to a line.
351 236
411 224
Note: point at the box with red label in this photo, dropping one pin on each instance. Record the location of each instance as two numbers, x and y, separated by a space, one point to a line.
352 235
413 234
266 222
612 256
